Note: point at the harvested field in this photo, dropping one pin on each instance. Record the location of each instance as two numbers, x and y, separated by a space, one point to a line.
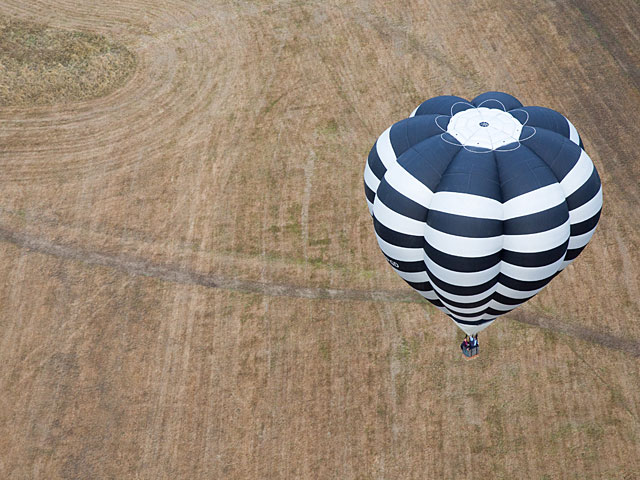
192 287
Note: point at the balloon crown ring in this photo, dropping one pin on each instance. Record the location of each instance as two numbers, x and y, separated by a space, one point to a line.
481 129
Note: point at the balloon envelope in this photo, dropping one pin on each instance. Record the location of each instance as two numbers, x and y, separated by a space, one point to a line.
478 204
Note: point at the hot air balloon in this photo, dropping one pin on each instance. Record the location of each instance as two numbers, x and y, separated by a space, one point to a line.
479 204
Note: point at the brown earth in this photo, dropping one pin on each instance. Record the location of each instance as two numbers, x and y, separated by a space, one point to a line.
191 284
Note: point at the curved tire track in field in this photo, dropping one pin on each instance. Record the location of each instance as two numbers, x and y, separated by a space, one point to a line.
139 122
172 273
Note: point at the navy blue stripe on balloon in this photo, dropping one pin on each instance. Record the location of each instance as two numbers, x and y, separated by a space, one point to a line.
407 267
541 117
586 226
536 259
460 314
458 290
442 105
420 286
488 311
401 204
462 226
522 285
586 192
558 152
572 253
461 264
428 160
411 131
471 173
456 304
396 238
375 164
537 222
370 194
498 297
437 303
497 100
521 171
495 311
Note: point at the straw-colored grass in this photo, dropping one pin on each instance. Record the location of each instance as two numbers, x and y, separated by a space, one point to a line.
167 252
41 65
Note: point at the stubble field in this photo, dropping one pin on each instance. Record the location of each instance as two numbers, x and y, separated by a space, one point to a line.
191 287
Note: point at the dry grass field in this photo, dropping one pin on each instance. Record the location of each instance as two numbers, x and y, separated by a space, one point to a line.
42 65
190 284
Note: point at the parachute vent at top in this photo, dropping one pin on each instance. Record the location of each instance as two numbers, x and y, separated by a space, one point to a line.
478 205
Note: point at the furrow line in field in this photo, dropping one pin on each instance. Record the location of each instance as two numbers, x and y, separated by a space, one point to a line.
153 115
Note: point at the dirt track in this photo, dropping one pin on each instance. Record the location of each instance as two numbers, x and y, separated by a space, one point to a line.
233 158
175 274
